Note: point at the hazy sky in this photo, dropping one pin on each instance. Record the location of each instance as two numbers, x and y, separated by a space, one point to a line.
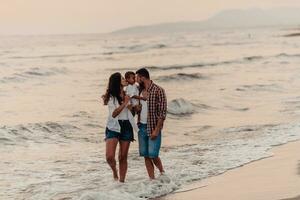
90 16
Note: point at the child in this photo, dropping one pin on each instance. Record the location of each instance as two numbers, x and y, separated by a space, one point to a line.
132 90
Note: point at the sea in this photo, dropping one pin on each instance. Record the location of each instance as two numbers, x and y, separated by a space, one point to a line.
233 94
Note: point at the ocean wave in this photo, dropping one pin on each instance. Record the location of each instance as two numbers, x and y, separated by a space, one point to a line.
252 58
44 132
287 55
213 64
196 162
181 76
195 65
199 65
248 128
292 35
184 164
171 67
54 56
35 72
180 107
140 47
241 109
260 87
135 49
291 106
231 43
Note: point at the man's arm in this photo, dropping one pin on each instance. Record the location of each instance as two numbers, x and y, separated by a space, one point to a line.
162 110
157 129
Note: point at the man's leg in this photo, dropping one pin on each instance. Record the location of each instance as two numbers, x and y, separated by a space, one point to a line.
149 167
157 162
154 148
144 149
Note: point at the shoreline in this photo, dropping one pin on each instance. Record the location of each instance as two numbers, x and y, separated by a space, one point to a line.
275 178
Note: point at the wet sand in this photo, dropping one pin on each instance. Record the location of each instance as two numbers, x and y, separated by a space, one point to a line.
273 178
296 198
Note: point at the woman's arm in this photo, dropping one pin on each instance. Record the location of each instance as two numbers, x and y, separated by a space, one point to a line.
118 110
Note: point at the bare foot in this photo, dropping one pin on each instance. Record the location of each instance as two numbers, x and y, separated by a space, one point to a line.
115 174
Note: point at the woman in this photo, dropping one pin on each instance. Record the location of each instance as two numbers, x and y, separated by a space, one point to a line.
119 128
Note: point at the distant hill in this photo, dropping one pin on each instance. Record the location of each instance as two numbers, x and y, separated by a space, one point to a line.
226 19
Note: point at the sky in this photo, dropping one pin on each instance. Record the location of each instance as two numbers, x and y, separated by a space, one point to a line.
101 16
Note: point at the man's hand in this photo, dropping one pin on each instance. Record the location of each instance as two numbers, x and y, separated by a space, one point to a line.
130 107
138 108
145 94
154 135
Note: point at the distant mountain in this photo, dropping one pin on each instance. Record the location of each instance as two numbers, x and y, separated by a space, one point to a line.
227 19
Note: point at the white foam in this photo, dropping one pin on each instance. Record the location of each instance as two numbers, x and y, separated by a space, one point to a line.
195 162
180 107
110 195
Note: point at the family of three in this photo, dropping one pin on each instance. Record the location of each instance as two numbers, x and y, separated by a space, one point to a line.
132 108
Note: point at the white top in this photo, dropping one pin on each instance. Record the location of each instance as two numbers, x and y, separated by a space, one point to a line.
132 90
124 114
113 123
144 111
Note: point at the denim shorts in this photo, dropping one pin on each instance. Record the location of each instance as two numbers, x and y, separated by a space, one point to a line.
147 147
126 133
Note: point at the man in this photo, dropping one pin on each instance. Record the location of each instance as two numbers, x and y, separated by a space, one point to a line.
150 133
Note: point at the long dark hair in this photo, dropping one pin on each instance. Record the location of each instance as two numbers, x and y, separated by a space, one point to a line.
113 88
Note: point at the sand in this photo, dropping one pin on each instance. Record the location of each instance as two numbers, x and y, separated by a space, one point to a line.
274 178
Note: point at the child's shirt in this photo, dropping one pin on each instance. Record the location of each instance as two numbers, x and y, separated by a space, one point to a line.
132 90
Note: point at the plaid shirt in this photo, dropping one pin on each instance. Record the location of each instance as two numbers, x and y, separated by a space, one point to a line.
157 106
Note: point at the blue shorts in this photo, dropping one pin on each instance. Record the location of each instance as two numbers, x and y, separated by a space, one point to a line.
147 147
126 133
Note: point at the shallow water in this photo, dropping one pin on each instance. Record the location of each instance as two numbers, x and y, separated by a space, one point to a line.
232 95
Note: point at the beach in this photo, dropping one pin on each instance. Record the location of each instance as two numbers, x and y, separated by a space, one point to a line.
273 178
230 101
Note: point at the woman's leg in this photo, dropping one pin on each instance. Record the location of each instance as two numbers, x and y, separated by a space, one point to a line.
111 145
123 154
